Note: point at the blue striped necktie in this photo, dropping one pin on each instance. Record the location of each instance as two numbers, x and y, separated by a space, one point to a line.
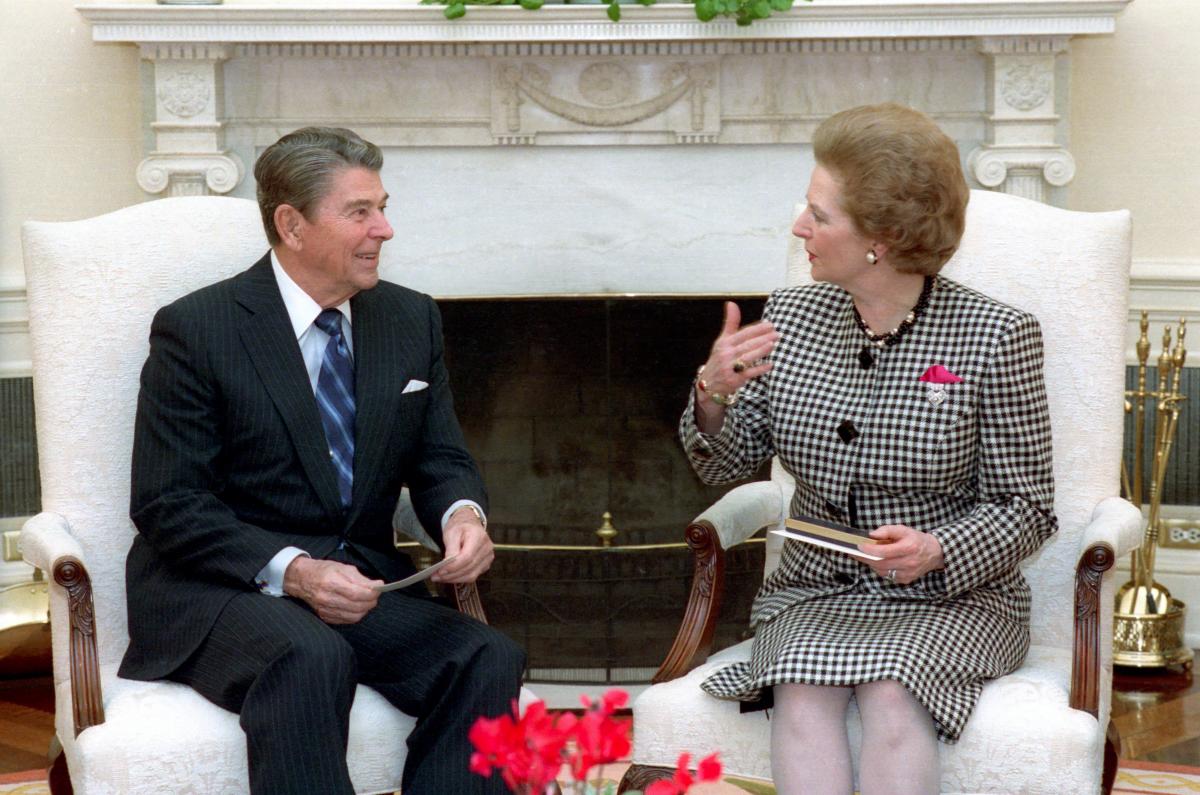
335 398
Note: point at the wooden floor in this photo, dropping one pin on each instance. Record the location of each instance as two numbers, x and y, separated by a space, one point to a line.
1157 713
26 723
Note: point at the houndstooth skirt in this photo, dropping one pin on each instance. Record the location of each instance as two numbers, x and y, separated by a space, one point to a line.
940 651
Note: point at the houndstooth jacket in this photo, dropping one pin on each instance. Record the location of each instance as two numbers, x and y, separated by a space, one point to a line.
974 469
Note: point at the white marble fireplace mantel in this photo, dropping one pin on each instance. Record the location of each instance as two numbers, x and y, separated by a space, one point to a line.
407 21
575 155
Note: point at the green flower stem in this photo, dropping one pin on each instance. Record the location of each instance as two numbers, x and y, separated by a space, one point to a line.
743 11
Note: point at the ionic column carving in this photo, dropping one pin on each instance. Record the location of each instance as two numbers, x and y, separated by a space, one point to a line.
1022 171
1022 153
189 158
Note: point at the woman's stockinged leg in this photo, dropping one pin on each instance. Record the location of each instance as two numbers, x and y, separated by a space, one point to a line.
900 747
810 753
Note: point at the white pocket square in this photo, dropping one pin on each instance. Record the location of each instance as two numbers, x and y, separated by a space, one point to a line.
414 386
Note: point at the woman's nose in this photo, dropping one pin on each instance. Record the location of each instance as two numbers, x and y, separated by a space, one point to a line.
801 227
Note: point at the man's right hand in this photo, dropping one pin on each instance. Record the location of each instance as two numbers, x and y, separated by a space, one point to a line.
337 592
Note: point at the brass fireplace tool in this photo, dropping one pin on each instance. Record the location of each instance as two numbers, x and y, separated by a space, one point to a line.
1148 625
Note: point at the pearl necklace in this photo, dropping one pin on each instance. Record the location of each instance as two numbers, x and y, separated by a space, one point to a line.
894 336
866 357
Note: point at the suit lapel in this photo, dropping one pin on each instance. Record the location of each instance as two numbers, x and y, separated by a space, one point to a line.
383 362
267 335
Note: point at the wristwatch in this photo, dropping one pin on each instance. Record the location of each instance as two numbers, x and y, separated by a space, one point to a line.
478 513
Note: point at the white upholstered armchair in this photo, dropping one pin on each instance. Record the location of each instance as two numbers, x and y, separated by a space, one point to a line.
1043 728
93 288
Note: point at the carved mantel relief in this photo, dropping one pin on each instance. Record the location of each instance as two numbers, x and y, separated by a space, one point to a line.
641 97
185 92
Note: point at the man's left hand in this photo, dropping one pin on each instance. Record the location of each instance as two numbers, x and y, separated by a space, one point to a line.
466 539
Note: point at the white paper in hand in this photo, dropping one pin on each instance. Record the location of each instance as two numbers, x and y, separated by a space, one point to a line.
423 574
820 542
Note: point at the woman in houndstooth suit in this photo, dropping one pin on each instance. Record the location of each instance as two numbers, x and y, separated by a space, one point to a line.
905 404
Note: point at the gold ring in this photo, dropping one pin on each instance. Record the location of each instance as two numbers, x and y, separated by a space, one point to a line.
739 366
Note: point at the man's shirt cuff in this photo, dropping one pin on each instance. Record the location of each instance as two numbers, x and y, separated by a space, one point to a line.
454 507
270 579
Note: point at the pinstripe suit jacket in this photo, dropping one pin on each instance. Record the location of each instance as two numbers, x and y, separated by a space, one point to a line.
230 462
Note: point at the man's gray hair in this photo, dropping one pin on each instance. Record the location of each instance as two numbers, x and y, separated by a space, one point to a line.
298 168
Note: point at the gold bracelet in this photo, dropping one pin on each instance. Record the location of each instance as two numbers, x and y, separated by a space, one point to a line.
725 401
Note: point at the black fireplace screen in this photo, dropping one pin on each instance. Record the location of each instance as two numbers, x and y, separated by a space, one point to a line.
571 407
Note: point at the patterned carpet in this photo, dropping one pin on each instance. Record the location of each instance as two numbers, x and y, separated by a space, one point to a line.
31 782
1133 778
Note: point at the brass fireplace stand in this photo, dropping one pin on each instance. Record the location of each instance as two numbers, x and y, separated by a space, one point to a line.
1148 624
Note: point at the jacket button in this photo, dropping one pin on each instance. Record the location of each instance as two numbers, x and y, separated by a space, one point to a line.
843 578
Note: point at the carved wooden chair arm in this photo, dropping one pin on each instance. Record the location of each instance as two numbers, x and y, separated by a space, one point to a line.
1085 660
466 599
87 698
694 639
1115 528
47 544
739 514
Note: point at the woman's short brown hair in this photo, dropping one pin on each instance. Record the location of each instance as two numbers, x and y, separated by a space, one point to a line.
901 179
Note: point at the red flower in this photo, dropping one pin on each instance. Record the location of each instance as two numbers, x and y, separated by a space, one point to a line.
527 751
599 737
709 769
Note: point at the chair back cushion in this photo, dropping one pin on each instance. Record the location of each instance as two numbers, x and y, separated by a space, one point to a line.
93 287
1071 271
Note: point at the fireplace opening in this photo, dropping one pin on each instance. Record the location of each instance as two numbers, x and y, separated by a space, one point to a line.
571 406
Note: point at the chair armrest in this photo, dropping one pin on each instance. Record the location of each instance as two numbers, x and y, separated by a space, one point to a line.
739 514
744 511
46 542
466 598
693 642
45 538
1114 530
1117 523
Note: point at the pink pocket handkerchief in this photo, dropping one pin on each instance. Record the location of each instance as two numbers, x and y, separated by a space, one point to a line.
939 375
935 379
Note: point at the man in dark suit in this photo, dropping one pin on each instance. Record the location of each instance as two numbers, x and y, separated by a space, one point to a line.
281 412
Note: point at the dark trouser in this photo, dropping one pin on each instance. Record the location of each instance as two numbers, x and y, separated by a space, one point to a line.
292 678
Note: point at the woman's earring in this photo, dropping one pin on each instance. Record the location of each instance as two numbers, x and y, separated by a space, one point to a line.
871 258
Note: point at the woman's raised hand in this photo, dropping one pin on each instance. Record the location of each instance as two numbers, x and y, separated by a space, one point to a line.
739 355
